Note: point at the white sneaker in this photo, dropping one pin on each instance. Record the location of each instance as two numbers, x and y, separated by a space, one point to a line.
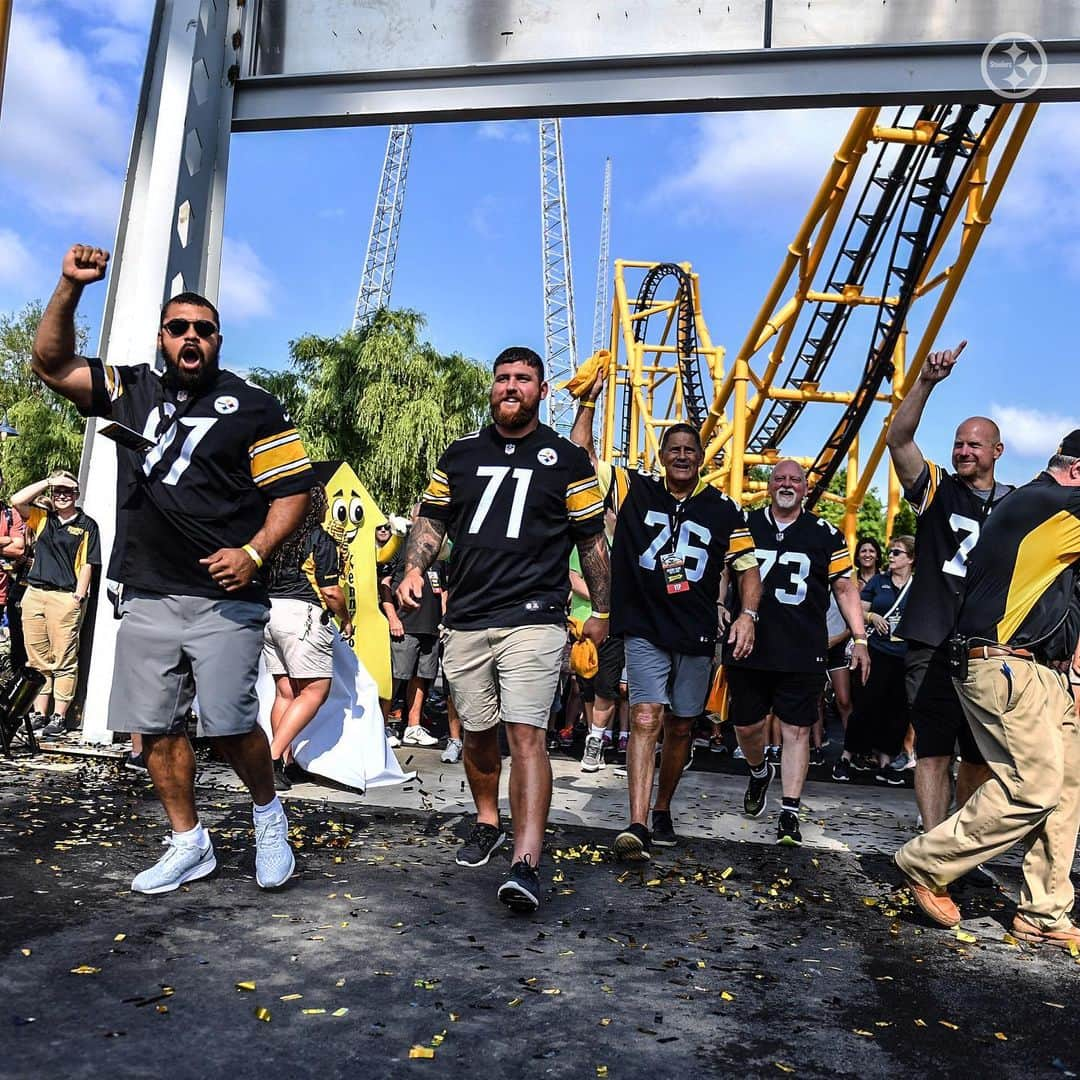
274 860
181 863
593 759
738 755
418 735
452 754
391 737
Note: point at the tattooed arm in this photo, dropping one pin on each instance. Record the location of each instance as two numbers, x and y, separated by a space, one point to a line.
596 570
425 541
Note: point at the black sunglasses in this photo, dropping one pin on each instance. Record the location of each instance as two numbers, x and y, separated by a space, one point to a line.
179 327
896 551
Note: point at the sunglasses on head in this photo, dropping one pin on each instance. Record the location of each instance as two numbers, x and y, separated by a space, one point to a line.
179 327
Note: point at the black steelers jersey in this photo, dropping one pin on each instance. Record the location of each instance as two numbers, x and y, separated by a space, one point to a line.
513 508
318 566
219 457
667 559
950 517
798 565
1022 574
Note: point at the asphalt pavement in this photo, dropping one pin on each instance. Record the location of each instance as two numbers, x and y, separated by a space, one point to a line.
725 956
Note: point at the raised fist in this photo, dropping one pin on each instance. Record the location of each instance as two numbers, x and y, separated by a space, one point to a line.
83 265
939 364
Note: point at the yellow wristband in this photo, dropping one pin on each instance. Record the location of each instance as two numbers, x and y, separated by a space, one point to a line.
587 404
255 557
858 641
599 614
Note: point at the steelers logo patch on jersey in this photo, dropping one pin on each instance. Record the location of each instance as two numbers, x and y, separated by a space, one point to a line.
226 405
547 456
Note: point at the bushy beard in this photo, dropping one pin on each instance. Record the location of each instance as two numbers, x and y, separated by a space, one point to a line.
193 382
522 417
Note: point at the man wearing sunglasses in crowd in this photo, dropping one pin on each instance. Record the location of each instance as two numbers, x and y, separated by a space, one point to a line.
218 479
67 547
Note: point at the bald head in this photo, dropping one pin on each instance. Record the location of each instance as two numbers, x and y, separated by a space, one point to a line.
976 448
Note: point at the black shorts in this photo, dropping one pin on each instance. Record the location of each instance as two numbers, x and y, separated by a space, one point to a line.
791 695
941 728
610 660
837 656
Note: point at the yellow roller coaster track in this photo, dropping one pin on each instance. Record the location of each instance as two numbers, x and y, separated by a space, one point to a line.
938 174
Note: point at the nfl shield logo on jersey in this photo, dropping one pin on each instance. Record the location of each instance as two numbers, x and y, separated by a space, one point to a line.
546 456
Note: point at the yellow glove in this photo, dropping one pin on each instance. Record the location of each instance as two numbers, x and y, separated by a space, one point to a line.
585 376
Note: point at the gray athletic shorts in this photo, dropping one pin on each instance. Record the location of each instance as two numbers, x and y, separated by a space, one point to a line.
657 677
415 654
169 645
508 673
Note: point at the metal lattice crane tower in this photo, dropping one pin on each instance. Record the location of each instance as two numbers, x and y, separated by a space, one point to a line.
603 266
378 275
560 339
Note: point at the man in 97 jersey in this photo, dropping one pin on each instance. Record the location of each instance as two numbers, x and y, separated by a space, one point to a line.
802 559
222 481
952 508
513 497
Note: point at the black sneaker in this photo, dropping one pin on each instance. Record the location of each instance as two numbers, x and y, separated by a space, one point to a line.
773 754
755 800
55 728
632 844
37 720
281 781
841 771
521 890
663 831
135 762
480 844
889 775
294 773
860 764
787 829
817 756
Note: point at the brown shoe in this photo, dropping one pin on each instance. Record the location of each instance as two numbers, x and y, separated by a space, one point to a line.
1031 932
936 904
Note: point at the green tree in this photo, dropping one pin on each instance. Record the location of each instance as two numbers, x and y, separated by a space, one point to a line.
50 428
905 523
871 516
381 399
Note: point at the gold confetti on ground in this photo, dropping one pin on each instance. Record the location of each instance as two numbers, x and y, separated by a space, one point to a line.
85 969
246 985
262 1013
421 1052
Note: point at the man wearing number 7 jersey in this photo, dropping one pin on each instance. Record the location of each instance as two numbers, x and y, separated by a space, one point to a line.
951 508
224 479
513 497
802 559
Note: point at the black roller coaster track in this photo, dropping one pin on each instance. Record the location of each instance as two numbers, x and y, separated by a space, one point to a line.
940 168
693 394
854 260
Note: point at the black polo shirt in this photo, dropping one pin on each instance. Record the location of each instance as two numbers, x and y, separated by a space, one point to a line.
62 549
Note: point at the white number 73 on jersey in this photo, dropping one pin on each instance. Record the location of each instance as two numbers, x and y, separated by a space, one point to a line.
793 591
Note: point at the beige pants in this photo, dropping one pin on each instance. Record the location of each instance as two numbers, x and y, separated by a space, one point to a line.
51 623
1025 724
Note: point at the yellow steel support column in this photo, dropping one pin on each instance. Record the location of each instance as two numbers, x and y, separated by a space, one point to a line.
741 375
899 361
851 500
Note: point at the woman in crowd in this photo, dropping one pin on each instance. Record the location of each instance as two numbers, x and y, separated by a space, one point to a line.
298 646
868 560
67 547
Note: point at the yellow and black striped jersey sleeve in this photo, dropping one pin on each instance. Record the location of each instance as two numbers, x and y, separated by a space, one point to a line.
921 494
277 457
584 500
435 502
742 554
840 564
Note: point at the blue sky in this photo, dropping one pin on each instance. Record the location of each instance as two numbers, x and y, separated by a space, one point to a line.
723 191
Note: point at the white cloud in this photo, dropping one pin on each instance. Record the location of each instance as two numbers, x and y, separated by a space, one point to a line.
125 48
64 131
486 217
518 131
17 265
743 164
1031 432
134 13
246 285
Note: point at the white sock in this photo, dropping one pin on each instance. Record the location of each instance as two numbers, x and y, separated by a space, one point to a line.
196 837
597 732
272 807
